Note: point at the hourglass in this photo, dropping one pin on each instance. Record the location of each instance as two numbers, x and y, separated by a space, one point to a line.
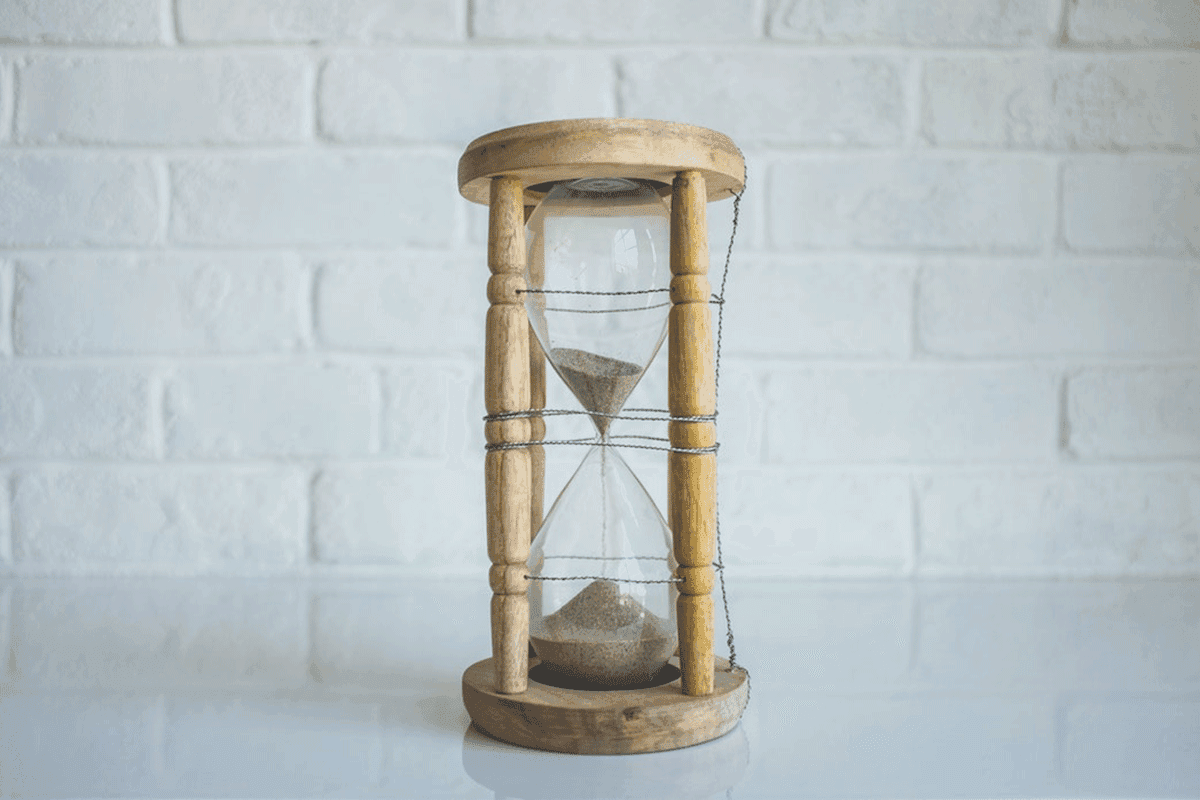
588 617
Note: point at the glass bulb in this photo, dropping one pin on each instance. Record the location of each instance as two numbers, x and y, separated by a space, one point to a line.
599 235
597 619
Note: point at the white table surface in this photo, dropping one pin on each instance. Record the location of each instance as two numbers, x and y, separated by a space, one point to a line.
350 688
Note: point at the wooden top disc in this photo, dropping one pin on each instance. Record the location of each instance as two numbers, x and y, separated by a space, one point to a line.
548 152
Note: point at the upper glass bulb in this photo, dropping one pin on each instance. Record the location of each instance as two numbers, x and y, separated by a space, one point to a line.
588 239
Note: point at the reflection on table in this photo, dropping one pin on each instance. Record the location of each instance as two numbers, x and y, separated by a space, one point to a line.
279 688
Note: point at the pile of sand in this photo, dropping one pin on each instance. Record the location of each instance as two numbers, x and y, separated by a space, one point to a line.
605 637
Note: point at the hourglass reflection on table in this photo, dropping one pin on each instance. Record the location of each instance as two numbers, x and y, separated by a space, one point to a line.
592 267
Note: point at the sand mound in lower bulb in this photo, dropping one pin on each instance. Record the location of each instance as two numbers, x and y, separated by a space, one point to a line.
605 637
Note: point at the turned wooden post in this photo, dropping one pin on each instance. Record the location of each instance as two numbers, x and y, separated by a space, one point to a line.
692 392
508 474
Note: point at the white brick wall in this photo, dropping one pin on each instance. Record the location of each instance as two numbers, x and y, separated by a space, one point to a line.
1074 101
830 100
1135 413
77 412
170 304
1166 23
913 22
1032 307
1140 205
930 414
120 99
49 199
175 520
271 410
300 21
388 96
1079 522
911 202
363 199
241 303
69 22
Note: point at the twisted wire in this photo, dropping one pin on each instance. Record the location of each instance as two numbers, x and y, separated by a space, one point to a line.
715 565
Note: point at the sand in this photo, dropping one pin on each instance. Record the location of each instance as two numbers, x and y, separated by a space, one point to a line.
600 383
605 637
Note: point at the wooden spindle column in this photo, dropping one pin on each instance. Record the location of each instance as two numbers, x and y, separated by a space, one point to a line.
508 473
691 392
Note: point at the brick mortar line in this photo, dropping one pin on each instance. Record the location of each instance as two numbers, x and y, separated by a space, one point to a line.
618 87
760 256
468 22
331 576
533 47
332 358
415 149
170 23
303 464
314 252
800 154
846 575
368 358
779 254
309 524
1062 23
1098 574
755 150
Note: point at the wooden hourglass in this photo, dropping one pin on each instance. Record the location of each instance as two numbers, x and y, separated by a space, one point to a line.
696 696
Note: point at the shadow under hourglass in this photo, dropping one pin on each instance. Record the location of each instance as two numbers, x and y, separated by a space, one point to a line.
707 770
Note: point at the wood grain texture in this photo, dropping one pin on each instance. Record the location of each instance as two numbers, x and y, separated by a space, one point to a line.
691 374
507 505
605 723
506 361
592 148
692 507
508 473
691 392
510 642
689 224
506 225
695 613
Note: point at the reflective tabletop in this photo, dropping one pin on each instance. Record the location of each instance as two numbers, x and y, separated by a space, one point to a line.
351 688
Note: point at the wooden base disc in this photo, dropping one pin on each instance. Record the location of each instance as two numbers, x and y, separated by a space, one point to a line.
604 722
